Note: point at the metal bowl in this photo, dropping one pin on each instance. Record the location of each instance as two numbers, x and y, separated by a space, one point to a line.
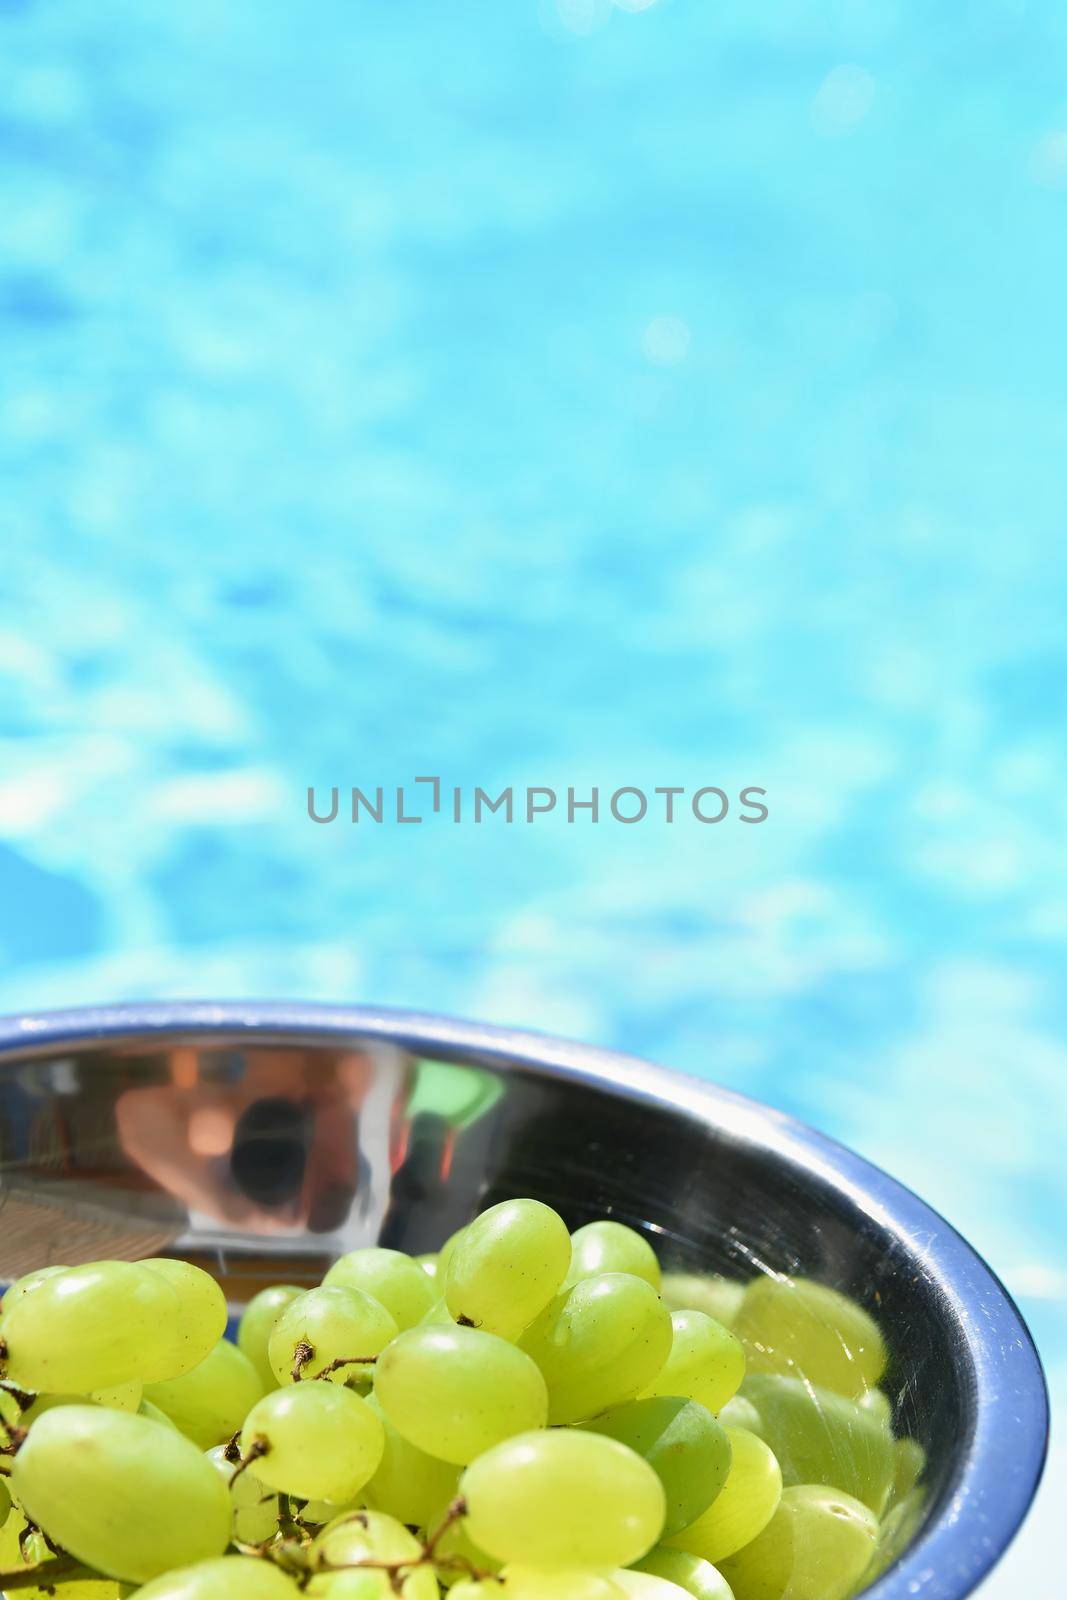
262 1140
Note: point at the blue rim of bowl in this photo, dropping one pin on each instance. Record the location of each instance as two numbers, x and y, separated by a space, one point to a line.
995 1481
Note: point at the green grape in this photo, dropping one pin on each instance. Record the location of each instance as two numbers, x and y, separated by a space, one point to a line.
409 1484
5 1503
77 1589
444 1255
322 1442
257 1322
477 1589
229 1578
797 1328
33 1546
697 1577
202 1317
599 1344
367 1536
21 1548
684 1446
611 1247
743 1507
121 1396
392 1278
124 1393
563 1498
706 1362
11 1530
33 1550
717 1297
328 1325
820 1437
74 1589
255 1507
428 1263
210 1403
909 1464
124 1495
740 1413
455 1392
438 1316
317 1513
531 1583
27 1284
898 1528
153 1413
817 1546
91 1327
647 1585
14 1417
362 1585
878 1403
507 1266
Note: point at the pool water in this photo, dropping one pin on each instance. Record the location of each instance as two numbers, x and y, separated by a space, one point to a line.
569 395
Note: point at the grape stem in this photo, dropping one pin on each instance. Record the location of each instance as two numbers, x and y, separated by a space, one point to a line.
346 1361
304 1352
291 1555
289 1521
259 1447
301 1356
456 1510
23 1398
398 1571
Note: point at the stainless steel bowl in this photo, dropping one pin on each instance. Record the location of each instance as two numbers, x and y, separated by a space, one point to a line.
262 1140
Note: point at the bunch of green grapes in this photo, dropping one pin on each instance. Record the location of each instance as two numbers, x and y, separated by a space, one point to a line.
528 1414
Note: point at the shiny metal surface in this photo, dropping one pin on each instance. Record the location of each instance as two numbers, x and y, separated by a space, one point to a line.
262 1140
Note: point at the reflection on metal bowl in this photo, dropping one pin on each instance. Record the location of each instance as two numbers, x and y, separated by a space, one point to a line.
263 1140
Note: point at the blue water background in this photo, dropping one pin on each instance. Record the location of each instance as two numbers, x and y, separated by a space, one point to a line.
561 394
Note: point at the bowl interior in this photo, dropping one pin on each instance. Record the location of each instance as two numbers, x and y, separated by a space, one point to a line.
265 1156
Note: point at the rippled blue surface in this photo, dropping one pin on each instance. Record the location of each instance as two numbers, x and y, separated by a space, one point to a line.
559 395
